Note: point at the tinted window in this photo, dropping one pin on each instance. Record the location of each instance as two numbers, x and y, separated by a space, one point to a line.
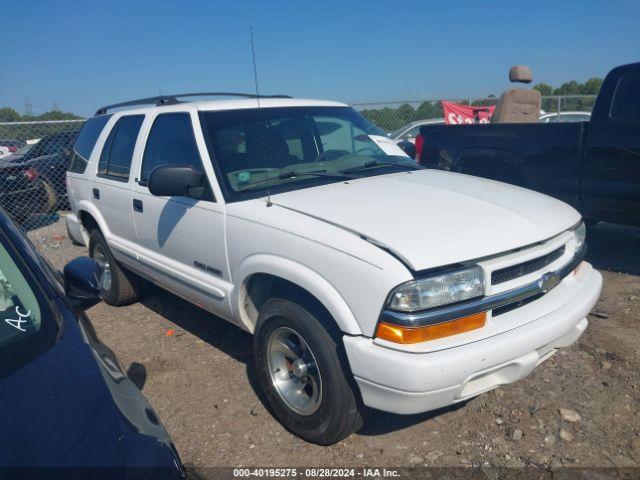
412 133
52 144
115 159
86 141
626 100
26 326
171 142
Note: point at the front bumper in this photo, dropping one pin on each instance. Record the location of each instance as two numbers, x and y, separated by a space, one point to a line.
409 382
75 229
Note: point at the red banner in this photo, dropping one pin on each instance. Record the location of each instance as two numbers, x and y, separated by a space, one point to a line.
456 114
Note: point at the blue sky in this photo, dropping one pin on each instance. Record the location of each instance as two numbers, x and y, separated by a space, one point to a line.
82 54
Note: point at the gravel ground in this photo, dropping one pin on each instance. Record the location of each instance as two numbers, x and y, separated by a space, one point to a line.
580 408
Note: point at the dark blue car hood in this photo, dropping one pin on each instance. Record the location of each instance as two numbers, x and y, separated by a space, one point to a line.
73 407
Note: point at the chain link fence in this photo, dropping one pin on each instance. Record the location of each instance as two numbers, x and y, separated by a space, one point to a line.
34 156
395 117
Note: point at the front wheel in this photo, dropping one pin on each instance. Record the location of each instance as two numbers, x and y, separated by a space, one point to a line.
301 371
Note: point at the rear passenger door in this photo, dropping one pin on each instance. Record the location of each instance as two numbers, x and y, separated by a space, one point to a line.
112 189
181 239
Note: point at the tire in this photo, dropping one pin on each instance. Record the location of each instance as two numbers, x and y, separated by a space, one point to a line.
124 286
335 409
51 197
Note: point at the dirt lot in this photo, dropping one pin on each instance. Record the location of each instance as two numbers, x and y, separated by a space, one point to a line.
200 381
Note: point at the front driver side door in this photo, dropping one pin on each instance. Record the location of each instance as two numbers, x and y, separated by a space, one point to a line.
181 239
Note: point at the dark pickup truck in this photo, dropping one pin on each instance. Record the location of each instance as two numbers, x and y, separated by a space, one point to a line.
594 165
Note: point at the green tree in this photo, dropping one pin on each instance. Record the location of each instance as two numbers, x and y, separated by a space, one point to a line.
9 115
406 112
544 89
592 86
427 110
57 115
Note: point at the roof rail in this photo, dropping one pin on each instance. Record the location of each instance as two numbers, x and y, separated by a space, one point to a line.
173 99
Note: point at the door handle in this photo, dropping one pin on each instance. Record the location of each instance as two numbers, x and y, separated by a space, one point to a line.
96 194
137 205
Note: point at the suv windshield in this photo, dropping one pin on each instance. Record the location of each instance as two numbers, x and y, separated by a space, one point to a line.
296 147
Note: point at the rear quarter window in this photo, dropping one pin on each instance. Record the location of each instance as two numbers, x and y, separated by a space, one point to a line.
625 106
86 141
116 155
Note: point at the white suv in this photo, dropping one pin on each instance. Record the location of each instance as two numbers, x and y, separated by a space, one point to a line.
365 279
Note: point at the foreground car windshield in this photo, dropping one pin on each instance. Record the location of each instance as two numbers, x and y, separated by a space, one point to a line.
260 149
26 327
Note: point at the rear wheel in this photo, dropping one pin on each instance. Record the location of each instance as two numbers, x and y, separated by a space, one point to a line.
119 286
302 372
50 196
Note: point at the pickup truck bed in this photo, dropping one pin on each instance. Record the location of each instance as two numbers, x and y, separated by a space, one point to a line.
594 166
537 156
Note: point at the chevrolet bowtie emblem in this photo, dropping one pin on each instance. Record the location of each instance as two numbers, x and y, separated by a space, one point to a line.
549 281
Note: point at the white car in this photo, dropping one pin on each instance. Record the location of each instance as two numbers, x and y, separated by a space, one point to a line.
9 147
365 280
564 117
409 131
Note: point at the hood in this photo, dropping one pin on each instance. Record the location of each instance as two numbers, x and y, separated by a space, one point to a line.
431 218
73 407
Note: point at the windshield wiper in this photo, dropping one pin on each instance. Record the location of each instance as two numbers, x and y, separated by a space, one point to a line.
297 173
377 163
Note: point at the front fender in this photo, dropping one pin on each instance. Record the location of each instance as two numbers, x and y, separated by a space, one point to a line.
297 274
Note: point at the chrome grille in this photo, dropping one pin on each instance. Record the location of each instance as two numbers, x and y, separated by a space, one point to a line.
525 268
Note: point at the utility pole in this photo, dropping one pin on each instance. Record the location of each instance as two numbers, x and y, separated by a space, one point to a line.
28 106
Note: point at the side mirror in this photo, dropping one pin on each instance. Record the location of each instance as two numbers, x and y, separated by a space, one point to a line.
82 282
408 148
174 180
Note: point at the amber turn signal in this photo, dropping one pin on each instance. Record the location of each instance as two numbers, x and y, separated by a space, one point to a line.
398 334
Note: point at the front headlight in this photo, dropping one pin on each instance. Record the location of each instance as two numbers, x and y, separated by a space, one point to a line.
580 235
438 290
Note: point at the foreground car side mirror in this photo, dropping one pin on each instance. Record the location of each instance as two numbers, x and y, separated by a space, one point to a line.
82 278
408 148
176 181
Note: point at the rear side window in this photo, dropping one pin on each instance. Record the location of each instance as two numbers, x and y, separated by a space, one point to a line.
86 141
625 106
115 159
171 142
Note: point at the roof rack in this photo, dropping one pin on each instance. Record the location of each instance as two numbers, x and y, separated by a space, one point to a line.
173 99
